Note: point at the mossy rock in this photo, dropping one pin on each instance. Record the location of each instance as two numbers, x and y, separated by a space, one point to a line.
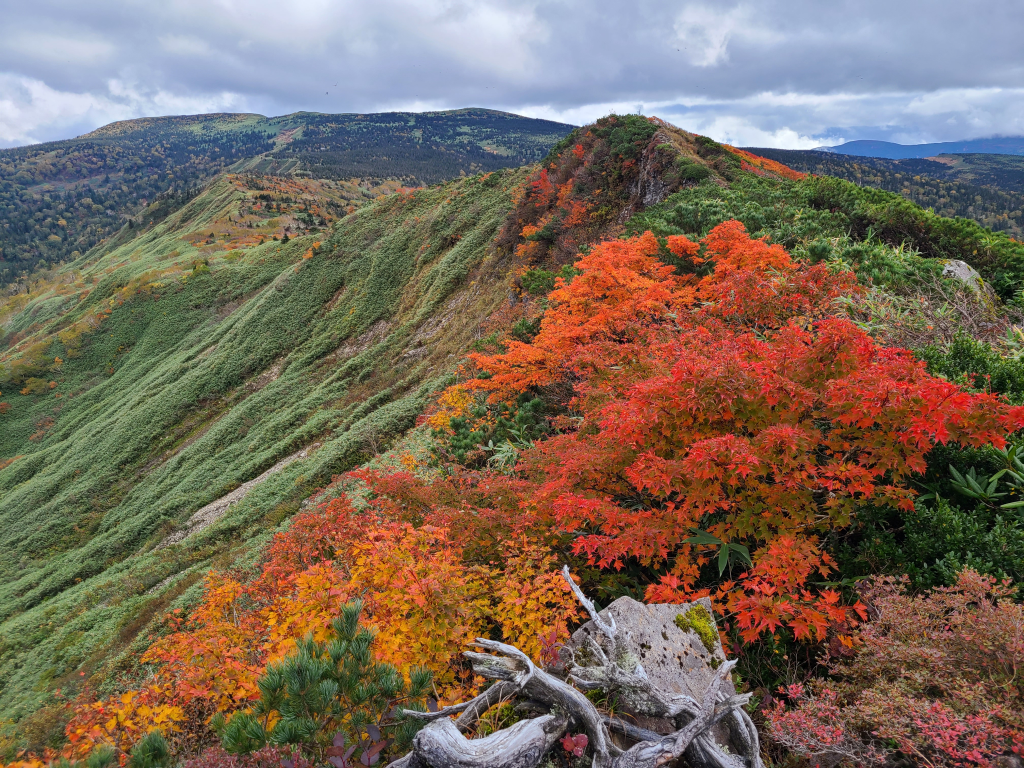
698 619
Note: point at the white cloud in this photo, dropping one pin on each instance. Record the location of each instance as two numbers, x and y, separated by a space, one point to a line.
581 115
704 32
52 48
32 111
742 132
472 32
184 45
787 72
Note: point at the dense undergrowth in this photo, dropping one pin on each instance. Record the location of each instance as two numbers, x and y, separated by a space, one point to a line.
985 188
685 377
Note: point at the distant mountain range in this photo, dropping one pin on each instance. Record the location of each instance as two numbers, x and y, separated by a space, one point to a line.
59 199
1013 145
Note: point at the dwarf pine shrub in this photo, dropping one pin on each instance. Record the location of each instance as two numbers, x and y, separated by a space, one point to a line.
332 698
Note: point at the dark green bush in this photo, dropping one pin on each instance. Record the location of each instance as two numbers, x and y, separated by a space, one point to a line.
540 282
524 421
937 540
691 171
150 752
330 695
976 364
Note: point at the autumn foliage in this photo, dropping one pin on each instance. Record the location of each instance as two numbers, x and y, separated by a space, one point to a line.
422 593
934 678
714 421
762 166
728 401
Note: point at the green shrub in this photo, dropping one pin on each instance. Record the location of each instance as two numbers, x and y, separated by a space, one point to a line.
523 423
541 282
329 695
976 364
150 752
691 171
937 540
627 135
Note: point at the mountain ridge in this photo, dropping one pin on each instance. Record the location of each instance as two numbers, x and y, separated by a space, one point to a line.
116 127
997 145
59 199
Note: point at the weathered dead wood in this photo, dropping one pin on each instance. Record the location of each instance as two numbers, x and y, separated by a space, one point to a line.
614 669
627 729
470 710
523 745
668 749
516 666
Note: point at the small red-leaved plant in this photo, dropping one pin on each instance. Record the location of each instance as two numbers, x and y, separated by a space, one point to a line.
934 678
575 745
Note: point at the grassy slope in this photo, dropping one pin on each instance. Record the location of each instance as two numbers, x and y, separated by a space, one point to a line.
174 400
164 410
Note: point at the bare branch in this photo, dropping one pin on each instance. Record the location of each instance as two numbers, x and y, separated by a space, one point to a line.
478 705
608 630
613 668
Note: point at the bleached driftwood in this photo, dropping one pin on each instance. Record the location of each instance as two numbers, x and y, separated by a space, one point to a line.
610 668
522 745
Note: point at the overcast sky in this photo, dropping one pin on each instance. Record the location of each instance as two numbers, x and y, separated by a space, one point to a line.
784 73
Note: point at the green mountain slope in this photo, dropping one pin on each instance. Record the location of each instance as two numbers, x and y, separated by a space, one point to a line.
59 199
175 366
193 381
986 188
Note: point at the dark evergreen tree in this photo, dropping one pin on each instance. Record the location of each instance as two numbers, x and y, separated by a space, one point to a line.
150 752
333 699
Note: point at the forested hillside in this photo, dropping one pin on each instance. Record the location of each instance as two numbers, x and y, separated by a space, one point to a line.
417 148
986 188
58 200
682 369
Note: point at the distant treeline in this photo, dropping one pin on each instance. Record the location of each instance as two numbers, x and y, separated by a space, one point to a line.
428 148
985 188
58 200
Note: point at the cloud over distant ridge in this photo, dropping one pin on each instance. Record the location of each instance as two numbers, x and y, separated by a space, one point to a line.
794 73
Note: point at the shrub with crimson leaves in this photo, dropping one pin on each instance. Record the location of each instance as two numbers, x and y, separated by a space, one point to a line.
933 678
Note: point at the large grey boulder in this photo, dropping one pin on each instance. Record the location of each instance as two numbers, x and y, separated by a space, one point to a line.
678 647
675 659
963 272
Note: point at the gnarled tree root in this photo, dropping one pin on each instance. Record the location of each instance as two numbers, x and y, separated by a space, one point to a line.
441 744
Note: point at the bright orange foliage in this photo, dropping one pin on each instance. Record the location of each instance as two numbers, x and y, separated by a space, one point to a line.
734 404
425 596
761 165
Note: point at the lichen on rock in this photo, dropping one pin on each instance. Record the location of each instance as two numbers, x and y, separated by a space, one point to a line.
700 621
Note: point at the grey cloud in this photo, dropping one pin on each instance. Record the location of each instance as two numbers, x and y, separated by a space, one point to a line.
792 72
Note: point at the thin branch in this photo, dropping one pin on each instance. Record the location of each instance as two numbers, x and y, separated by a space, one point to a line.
608 630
